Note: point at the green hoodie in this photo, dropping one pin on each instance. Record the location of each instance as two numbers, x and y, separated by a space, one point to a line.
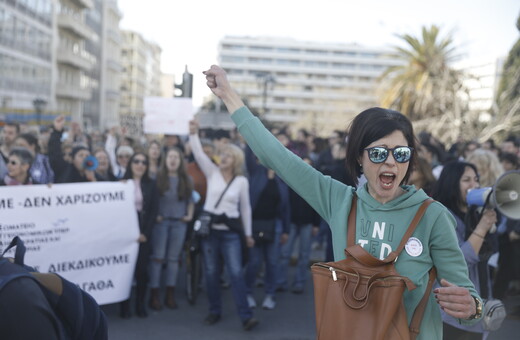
379 227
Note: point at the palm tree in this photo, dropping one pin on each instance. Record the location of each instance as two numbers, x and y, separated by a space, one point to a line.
425 87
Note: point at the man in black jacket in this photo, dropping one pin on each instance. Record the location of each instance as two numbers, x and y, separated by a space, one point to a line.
68 172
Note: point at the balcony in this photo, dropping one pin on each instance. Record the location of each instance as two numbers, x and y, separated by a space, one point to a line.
112 4
72 91
75 24
68 57
84 3
115 36
114 65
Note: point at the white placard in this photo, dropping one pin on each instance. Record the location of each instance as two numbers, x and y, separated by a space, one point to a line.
167 115
85 232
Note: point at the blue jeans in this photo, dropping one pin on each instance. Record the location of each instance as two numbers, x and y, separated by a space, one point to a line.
304 233
225 245
167 240
268 252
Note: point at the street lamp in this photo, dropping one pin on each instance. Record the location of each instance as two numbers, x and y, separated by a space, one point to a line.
39 105
266 82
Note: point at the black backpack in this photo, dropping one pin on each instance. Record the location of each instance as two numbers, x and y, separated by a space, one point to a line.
74 313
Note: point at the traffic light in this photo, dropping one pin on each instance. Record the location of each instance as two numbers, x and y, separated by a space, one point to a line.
187 84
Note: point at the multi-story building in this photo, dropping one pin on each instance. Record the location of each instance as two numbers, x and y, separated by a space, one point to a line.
60 57
74 62
141 78
102 110
482 82
26 60
319 86
167 85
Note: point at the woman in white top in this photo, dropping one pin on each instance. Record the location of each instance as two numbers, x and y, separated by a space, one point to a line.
224 243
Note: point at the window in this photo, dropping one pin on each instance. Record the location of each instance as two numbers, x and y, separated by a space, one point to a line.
260 48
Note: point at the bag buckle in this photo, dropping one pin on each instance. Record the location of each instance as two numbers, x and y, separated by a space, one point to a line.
334 276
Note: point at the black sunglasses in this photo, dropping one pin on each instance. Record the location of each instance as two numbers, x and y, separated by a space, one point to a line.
142 161
379 154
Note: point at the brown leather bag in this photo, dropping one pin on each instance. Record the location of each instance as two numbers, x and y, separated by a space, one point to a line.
361 297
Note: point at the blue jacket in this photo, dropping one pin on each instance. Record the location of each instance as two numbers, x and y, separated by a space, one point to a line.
258 180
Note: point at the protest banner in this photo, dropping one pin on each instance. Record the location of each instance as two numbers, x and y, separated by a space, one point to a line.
85 232
167 115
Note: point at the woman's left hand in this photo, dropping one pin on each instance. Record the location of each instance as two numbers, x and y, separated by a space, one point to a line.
454 300
142 238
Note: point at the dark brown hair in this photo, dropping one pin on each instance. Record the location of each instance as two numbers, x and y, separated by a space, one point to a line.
371 125
185 186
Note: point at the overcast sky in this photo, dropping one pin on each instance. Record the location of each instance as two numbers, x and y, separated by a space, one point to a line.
189 31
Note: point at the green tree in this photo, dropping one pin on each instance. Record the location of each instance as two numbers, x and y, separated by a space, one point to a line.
425 86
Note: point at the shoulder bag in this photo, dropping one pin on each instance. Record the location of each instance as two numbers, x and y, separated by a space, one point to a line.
361 297
202 226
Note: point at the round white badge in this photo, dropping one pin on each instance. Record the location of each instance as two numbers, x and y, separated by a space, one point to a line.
413 247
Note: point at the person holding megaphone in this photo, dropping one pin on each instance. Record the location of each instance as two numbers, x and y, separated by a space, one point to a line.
473 232
82 167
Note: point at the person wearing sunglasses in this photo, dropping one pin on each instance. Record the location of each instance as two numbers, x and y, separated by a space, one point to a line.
19 163
381 146
146 204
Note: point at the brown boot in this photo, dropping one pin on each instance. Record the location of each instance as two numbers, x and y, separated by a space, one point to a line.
155 301
170 298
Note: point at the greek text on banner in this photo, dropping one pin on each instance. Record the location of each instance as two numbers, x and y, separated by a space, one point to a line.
85 232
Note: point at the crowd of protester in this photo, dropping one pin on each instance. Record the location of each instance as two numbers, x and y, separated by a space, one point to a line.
176 176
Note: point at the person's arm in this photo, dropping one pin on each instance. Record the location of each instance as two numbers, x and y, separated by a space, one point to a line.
58 164
476 239
189 212
470 256
457 291
321 192
153 207
246 213
25 312
110 147
216 80
204 162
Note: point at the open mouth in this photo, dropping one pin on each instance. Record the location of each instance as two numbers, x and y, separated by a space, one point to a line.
387 179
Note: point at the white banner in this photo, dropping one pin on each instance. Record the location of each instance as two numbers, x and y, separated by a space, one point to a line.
167 115
85 232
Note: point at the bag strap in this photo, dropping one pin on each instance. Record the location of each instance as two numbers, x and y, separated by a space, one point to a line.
370 260
351 222
418 215
415 323
19 253
222 195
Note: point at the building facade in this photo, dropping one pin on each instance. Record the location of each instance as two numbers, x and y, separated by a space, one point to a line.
141 77
74 62
60 57
318 86
27 57
101 111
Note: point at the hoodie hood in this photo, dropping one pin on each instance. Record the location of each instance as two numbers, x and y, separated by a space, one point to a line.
411 197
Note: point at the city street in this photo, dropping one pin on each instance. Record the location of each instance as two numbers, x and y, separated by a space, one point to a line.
293 319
